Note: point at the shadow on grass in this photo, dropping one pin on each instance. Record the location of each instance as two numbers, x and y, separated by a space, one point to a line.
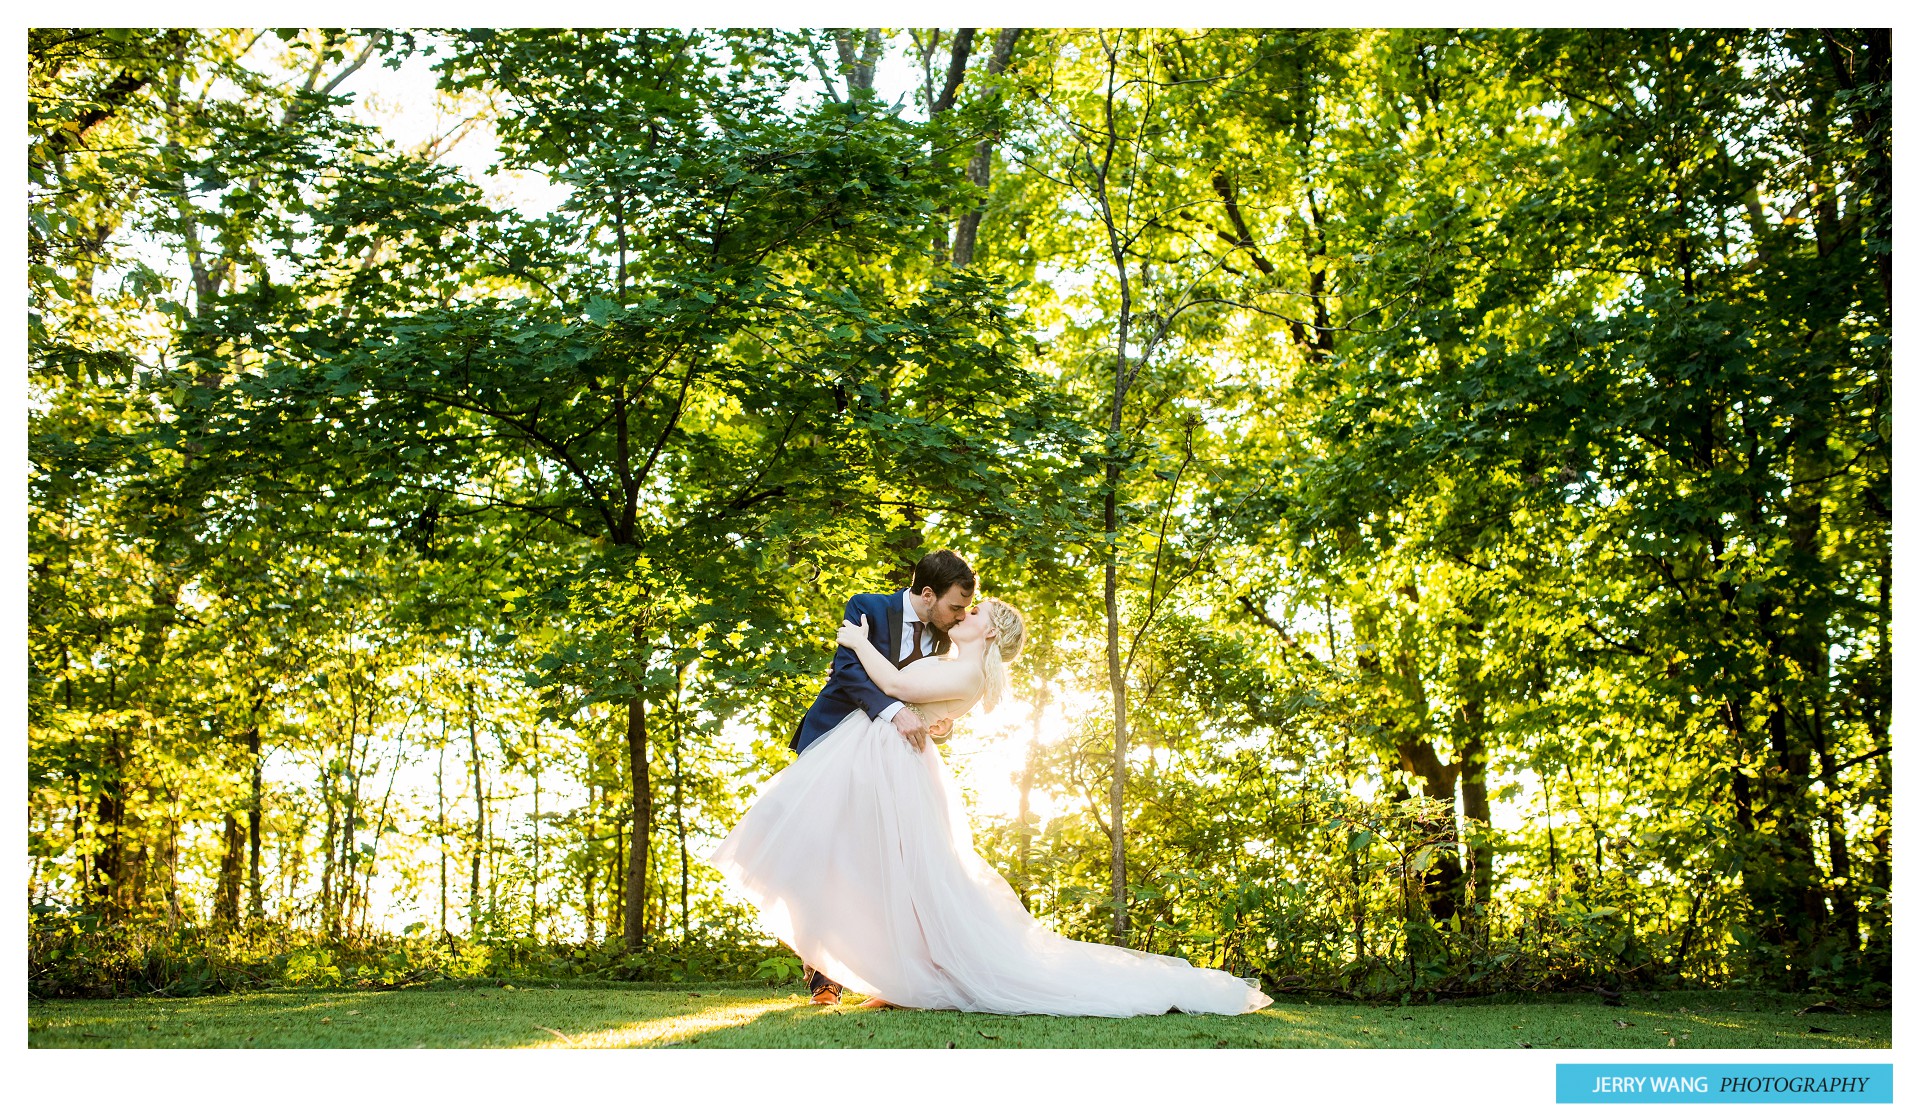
486 1018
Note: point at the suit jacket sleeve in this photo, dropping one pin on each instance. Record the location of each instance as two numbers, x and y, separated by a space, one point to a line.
851 676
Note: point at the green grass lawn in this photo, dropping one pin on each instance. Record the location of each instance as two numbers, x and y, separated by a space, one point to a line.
759 1016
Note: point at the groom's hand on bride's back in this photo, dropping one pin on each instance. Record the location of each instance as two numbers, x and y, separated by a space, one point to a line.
912 726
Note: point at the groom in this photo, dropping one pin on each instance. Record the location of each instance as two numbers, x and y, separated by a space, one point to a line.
905 626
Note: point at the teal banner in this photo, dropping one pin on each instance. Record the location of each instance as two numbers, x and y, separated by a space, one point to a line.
1722 1083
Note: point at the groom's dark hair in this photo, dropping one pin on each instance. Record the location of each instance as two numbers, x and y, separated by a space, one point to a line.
939 571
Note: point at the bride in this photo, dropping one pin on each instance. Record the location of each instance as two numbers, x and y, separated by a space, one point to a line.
860 859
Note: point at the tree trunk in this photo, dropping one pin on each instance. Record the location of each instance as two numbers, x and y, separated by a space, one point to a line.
1880 873
1358 881
534 883
1856 65
1110 514
1443 884
479 816
637 861
617 913
1795 907
680 797
1116 673
135 877
593 858
1740 787
110 819
380 828
170 859
256 906
350 820
493 861
1796 637
226 903
657 918
293 859
440 818
1474 807
328 849
858 65
1880 791
83 866
1322 347
1117 687
1842 891
940 103
980 167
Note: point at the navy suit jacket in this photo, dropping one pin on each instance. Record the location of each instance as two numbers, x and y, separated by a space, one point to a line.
849 688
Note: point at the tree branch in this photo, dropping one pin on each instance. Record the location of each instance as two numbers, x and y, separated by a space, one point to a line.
559 449
956 70
1223 186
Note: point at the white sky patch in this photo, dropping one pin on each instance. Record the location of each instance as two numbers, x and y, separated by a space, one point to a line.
407 108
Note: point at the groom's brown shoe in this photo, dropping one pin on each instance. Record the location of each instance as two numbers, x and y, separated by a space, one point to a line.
825 992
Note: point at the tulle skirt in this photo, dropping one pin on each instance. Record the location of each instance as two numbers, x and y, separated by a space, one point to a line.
860 859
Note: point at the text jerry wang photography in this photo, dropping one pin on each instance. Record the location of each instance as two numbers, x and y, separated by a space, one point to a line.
965 538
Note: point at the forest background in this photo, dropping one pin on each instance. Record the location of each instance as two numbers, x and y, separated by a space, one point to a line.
1447 474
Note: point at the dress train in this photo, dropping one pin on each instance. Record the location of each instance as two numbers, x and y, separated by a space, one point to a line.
860 859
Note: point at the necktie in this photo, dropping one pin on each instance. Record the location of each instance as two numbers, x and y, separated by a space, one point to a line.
913 654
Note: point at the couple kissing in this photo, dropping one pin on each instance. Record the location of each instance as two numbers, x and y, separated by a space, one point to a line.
859 855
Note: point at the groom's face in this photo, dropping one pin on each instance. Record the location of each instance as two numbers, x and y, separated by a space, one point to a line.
945 611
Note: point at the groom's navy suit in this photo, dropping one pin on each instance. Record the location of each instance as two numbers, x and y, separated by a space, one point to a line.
849 688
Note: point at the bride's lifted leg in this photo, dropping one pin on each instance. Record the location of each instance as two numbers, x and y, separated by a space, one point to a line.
877 1002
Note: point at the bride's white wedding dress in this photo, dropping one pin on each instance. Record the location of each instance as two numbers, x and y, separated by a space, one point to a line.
860 858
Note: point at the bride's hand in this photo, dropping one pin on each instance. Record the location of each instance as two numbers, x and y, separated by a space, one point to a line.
851 636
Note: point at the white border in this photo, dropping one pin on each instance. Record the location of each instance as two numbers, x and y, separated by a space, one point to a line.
486 1084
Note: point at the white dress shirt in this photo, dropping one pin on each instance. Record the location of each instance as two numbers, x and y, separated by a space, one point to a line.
904 640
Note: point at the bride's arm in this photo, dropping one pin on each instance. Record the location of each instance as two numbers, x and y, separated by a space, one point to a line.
930 680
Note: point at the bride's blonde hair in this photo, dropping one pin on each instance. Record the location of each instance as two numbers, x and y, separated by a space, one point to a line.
1011 637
